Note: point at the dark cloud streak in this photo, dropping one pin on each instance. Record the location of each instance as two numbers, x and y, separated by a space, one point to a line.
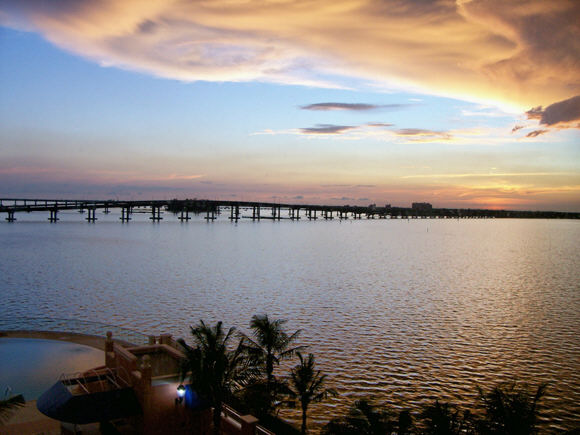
536 133
327 129
352 106
557 113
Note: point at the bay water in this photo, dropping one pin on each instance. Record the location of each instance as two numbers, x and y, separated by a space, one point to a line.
404 311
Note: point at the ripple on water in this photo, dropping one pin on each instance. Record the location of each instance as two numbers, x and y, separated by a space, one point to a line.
389 309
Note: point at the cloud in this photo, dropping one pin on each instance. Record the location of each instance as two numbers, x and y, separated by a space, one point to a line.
379 124
327 129
421 133
485 112
516 128
351 106
184 177
536 133
561 114
484 175
523 53
383 132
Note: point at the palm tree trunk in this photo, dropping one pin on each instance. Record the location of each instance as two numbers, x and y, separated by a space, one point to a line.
217 418
304 411
269 376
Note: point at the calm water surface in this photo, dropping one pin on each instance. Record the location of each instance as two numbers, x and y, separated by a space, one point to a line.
21 371
406 311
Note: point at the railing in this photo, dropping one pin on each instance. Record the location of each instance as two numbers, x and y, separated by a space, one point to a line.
72 326
93 380
237 423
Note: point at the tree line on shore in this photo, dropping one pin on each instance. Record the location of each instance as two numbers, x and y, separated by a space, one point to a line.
243 375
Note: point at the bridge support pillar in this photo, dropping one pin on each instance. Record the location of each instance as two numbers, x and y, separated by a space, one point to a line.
125 214
210 215
256 212
155 213
53 215
10 217
91 216
234 213
106 210
294 213
184 215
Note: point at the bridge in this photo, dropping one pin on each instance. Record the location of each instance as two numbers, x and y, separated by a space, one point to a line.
256 211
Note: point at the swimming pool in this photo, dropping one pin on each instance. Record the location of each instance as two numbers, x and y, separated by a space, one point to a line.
31 366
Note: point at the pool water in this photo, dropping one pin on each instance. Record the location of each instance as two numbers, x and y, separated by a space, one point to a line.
31 366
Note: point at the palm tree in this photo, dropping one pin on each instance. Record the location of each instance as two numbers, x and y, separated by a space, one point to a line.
405 422
307 386
511 409
446 419
270 345
363 418
215 371
9 405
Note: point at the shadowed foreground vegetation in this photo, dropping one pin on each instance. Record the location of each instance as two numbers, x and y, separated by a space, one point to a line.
506 409
244 375
9 405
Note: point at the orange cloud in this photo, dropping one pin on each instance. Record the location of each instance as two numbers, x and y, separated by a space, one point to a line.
522 52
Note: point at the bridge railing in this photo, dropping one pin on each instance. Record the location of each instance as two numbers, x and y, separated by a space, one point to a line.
75 326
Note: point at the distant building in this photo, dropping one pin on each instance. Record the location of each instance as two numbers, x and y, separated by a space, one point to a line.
421 206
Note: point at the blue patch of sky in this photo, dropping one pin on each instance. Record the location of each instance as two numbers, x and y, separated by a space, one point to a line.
45 89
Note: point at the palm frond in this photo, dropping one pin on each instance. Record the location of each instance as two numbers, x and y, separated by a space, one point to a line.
9 406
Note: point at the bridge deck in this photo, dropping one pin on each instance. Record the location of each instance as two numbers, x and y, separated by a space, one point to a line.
259 209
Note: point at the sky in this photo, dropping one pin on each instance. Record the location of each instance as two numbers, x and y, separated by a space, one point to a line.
463 104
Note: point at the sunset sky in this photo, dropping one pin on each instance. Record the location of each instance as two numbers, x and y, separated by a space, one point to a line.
471 104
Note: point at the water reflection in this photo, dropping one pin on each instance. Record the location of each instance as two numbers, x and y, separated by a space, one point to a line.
388 307
31 366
